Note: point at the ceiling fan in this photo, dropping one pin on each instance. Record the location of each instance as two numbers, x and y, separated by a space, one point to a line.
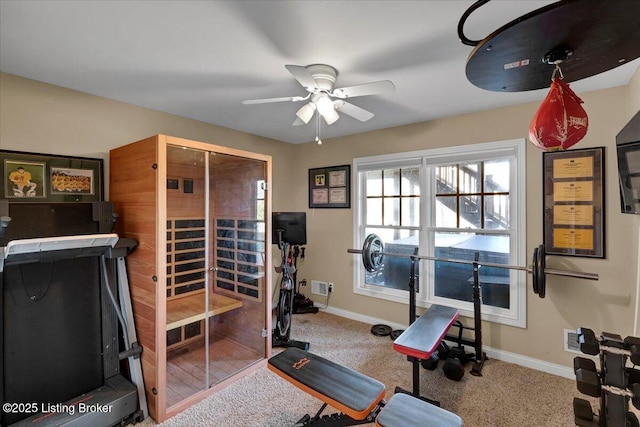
318 80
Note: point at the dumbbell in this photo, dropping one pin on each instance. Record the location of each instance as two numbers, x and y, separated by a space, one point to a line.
584 363
633 343
583 414
440 354
587 378
635 400
454 365
588 342
633 381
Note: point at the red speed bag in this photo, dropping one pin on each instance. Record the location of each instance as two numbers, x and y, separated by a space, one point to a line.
560 121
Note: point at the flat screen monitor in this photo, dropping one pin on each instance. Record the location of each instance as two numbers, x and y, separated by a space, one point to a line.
628 151
291 226
629 177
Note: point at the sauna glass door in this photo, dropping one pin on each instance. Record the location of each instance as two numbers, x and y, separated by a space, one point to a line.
187 308
237 216
216 275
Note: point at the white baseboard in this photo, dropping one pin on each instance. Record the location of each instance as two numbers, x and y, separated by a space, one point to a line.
492 353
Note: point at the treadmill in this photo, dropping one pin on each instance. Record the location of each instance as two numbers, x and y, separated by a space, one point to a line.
67 325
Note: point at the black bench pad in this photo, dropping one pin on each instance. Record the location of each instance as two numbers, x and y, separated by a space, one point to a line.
423 336
349 391
404 410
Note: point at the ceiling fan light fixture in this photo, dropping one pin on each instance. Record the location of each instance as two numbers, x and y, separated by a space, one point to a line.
319 80
305 113
324 105
331 117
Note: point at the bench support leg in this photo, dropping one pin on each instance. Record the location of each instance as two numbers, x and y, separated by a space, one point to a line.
336 419
415 363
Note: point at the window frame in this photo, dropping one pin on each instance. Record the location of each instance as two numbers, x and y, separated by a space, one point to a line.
428 160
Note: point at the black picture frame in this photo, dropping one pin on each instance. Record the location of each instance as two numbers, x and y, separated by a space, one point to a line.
330 187
573 202
34 177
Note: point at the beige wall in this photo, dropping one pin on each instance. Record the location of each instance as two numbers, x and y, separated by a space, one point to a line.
42 118
37 117
603 305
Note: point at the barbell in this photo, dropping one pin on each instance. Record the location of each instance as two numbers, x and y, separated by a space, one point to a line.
373 253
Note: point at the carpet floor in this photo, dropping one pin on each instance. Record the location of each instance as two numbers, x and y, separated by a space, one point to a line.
506 395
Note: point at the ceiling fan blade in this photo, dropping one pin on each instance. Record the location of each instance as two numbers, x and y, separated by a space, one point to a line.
373 88
298 122
268 100
303 76
353 110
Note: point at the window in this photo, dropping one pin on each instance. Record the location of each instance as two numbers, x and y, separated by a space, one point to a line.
451 203
392 199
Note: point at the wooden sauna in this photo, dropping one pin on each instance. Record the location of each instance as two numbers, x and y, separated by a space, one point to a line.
200 277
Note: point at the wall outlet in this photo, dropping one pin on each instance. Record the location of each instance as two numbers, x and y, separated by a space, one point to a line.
319 288
330 287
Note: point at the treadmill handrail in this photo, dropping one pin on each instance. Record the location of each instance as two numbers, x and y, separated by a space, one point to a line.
46 244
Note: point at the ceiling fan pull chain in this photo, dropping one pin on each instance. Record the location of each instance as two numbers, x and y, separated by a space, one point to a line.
318 140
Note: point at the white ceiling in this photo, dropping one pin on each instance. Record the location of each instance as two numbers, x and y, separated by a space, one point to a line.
201 59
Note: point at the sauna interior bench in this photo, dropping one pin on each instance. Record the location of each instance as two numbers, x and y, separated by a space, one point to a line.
189 309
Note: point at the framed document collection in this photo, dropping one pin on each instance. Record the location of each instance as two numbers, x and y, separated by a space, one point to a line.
330 187
573 193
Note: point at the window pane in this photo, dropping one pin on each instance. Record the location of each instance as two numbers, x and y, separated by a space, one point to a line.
470 212
391 211
455 280
410 182
391 182
410 211
469 174
446 211
447 179
374 211
374 183
496 212
395 271
392 234
496 176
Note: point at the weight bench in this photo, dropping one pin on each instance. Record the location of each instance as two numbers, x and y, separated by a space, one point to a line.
421 339
357 396
404 410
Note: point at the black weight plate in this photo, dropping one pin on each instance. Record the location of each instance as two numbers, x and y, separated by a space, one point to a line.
534 271
372 252
396 333
381 330
542 277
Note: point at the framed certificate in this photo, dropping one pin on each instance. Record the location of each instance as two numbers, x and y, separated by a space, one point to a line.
574 202
330 187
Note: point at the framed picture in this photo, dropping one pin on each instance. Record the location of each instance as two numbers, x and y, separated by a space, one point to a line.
573 192
330 187
31 177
